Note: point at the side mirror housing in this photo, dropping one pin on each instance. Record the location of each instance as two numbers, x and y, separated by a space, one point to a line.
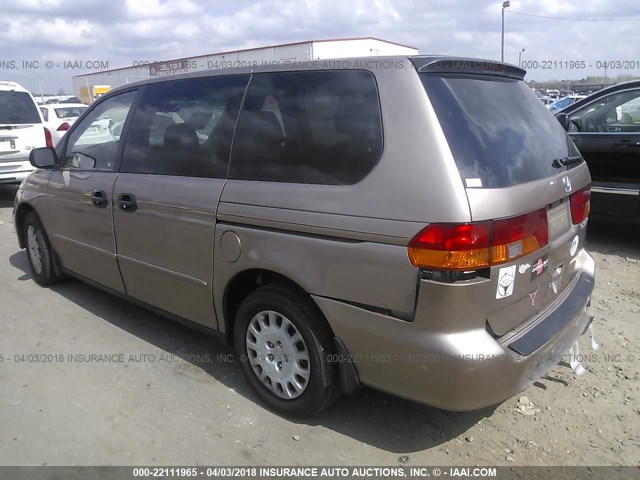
45 158
85 162
563 119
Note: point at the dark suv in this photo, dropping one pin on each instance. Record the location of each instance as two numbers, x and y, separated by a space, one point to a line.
606 129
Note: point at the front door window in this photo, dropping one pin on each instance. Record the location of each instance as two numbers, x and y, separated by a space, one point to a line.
93 144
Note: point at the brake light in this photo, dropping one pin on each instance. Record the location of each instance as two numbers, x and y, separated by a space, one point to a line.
64 126
47 137
455 247
518 236
471 246
580 205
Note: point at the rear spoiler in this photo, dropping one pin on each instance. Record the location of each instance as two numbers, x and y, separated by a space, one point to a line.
475 66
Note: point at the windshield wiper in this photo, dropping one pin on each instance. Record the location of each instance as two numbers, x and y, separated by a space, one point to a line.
563 162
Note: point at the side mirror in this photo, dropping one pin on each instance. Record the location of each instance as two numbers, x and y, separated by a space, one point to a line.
116 130
45 158
85 162
563 118
80 161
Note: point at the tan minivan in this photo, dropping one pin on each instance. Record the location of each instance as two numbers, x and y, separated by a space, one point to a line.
415 224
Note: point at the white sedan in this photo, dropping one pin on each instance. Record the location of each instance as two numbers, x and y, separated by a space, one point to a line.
58 117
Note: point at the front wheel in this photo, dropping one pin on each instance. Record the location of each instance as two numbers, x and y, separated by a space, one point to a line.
39 251
284 346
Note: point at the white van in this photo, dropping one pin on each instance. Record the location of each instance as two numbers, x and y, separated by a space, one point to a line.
21 130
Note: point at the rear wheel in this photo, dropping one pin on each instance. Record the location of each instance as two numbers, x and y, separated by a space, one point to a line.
39 251
284 346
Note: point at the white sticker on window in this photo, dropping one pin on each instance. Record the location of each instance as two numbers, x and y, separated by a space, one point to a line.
473 182
506 280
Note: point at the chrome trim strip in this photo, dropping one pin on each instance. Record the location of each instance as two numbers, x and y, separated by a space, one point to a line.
616 190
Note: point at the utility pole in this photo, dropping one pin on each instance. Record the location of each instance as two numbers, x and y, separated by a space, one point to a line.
505 5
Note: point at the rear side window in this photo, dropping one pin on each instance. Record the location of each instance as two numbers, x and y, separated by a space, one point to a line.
17 108
320 127
499 133
185 127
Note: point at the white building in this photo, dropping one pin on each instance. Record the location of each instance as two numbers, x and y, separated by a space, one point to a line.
310 50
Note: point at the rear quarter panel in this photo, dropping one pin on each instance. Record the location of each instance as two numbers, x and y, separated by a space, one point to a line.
349 242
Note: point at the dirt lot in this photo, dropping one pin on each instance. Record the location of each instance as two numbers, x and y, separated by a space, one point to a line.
148 411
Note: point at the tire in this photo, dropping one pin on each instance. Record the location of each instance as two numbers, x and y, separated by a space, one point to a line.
291 330
39 251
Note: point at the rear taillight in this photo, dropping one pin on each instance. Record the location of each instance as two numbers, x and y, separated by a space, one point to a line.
580 205
47 137
471 246
64 126
518 236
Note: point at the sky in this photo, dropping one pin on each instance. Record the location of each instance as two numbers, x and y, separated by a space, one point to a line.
116 33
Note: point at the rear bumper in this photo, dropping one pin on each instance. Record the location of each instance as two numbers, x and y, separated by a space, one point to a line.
463 370
15 171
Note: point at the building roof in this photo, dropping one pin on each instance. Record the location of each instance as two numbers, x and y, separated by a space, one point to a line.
256 48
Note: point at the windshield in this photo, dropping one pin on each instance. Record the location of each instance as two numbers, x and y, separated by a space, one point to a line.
499 133
17 108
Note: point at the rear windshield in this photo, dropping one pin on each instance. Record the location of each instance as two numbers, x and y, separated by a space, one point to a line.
69 112
17 108
499 132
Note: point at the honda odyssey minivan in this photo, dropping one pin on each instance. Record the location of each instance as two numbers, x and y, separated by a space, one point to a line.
415 225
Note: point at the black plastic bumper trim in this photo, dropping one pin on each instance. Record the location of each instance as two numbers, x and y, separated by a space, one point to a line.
566 312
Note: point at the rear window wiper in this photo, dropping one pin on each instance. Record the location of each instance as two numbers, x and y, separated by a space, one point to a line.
563 162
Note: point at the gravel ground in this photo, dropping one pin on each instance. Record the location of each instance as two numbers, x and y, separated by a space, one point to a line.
164 410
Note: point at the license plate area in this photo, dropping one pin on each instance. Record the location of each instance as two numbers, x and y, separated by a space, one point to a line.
558 220
8 144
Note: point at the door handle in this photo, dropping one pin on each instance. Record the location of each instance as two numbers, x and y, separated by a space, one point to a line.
127 202
627 143
99 198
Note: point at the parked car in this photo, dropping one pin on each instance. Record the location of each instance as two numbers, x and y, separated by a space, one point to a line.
606 129
363 225
630 111
58 118
564 102
554 94
21 130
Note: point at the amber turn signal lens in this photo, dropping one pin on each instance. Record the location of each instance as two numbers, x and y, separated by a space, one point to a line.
471 246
